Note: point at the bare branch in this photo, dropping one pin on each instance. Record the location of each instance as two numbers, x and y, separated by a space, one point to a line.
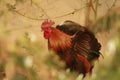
92 6
41 9
113 4
76 10
28 16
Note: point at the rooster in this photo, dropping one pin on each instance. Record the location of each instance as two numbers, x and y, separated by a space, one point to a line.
74 44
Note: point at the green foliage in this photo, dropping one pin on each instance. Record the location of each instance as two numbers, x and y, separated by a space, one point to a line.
106 22
2 70
18 76
53 61
21 50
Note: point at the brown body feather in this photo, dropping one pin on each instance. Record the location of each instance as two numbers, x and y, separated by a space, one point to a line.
59 41
76 45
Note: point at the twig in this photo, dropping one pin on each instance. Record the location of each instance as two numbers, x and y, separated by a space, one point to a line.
41 9
92 6
96 8
106 4
28 16
113 4
77 10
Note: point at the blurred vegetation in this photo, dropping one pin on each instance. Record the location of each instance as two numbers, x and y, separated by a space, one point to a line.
106 22
112 72
27 58
23 60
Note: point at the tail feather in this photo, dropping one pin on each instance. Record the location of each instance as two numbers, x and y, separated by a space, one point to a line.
85 62
78 63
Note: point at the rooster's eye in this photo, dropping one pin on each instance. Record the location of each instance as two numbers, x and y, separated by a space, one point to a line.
47 29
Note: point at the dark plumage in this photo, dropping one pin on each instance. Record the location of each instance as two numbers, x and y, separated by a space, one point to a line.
75 45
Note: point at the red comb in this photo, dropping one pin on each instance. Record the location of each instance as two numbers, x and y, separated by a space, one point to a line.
47 23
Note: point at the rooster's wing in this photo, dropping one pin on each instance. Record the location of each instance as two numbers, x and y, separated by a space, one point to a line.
85 47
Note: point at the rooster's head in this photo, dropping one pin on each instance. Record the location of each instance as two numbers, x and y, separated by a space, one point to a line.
46 27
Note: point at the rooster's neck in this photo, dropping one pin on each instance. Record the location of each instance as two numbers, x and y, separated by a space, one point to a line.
59 40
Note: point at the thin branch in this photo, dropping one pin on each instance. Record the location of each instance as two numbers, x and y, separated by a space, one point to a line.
88 9
28 16
92 6
113 4
41 9
77 10
13 9
90 3
96 8
106 4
